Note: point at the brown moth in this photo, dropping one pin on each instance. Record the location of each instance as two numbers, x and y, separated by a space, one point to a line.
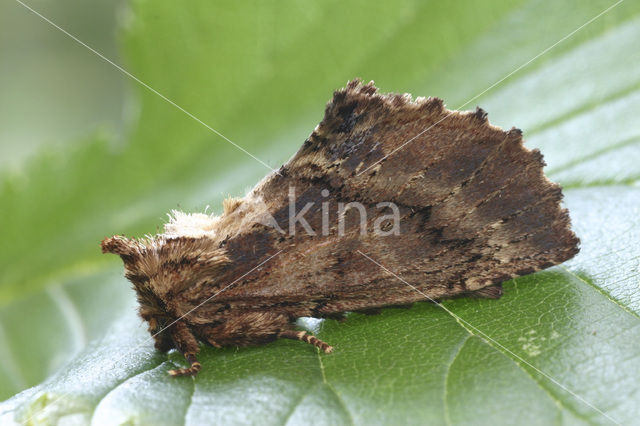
471 208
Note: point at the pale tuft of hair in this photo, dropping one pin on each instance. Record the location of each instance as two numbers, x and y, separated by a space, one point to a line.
195 225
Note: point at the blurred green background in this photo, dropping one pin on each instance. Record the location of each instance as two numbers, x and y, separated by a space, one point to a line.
86 152
53 92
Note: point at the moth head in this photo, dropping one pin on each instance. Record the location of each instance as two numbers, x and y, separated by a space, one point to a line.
142 267
161 270
166 266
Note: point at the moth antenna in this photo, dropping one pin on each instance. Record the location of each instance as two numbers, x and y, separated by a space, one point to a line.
118 245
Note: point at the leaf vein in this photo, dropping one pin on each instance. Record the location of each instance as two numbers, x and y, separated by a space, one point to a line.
343 404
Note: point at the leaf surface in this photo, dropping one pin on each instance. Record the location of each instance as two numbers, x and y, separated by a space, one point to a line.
559 347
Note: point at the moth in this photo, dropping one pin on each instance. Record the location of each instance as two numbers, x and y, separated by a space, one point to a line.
451 203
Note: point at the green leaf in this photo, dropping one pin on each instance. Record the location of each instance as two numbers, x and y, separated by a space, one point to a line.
560 346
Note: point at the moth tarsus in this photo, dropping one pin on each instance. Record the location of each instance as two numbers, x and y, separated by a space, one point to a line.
192 370
467 207
303 336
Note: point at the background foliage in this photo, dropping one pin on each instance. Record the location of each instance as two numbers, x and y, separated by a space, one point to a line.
260 72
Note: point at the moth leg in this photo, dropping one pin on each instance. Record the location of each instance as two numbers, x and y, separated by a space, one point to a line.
302 335
194 367
188 345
